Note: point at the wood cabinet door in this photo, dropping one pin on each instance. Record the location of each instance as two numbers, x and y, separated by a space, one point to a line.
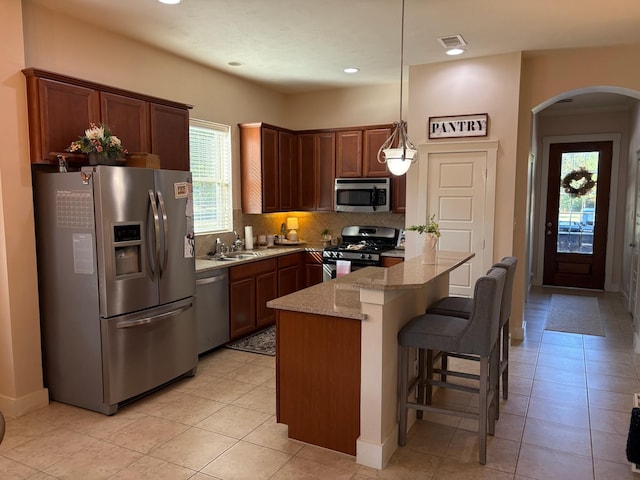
312 268
170 136
290 273
287 171
391 261
349 154
128 119
266 289
325 170
373 140
306 171
242 307
313 274
59 113
399 194
270 181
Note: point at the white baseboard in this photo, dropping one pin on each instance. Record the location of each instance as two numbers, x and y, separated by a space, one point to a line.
16 407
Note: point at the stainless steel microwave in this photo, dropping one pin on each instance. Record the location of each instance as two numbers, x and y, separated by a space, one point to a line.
362 194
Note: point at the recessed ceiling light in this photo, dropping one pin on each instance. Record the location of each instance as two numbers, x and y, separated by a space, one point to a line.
351 70
170 2
234 64
455 51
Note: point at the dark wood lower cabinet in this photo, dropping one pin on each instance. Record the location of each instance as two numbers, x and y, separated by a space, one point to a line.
313 268
290 274
251 286
318 379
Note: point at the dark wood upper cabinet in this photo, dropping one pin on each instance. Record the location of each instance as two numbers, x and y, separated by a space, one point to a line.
270 171
61 109
349 154
373 140
399 194
268 168
316 170
170 136
287 171
325 170
59 113
128 119
307 171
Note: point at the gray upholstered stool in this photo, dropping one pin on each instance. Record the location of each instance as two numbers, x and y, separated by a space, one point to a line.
461 307
477 335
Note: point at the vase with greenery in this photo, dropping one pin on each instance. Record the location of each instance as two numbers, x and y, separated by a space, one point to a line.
101 146
431 230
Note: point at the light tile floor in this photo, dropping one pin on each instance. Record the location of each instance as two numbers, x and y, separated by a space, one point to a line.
567 417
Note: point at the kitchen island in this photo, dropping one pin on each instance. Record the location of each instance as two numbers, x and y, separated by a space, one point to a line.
336 354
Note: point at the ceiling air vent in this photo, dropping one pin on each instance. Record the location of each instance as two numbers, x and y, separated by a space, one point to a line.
452 41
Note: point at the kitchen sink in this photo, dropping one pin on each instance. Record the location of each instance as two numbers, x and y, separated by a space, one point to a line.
230 256
242 255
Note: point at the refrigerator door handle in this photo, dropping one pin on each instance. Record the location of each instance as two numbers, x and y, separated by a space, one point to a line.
165 224
156 227
155 318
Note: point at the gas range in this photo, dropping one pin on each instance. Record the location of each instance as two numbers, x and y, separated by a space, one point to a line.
362 246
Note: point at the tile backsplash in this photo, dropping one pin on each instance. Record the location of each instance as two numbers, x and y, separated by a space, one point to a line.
311 224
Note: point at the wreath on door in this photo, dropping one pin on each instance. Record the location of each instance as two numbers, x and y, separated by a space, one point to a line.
578 182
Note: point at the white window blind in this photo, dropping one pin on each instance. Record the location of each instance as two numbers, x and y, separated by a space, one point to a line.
210 158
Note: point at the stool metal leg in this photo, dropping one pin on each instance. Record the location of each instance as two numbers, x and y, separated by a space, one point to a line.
420 397
482 419
403 393
504 363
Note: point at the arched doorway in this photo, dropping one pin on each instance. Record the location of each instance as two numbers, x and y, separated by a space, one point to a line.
596 114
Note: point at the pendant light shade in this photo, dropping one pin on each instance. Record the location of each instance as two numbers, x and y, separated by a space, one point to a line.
398 151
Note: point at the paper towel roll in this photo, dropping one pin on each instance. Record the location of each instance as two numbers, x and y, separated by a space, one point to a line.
248 237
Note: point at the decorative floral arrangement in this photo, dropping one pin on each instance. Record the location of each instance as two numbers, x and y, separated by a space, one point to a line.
431 227
578 182
99 139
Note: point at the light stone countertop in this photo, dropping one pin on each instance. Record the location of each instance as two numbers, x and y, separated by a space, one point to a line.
205 263
341 297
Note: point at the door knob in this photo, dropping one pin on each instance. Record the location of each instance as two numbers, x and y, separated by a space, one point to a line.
549 224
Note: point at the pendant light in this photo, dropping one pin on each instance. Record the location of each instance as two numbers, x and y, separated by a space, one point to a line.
398 151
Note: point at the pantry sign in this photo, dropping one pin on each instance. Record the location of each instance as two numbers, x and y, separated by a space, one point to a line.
458 126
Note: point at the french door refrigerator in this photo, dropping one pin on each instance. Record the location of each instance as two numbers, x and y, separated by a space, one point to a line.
116 277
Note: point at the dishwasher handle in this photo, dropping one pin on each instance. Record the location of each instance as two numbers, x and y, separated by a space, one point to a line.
208 280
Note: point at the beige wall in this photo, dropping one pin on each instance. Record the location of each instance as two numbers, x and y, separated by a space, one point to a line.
345 107
482 85
545 76
20 357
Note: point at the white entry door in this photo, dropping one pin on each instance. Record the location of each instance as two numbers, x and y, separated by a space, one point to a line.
461 192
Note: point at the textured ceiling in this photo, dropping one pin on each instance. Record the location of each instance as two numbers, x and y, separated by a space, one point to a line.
303 45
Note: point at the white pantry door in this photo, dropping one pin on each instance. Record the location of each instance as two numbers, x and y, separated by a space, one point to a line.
461 193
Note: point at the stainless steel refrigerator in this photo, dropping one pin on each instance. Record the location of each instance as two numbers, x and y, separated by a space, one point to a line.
116 276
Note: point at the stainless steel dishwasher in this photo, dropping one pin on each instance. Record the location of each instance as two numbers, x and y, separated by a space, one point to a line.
212 308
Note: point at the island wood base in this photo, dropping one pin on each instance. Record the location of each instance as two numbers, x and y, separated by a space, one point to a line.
318 378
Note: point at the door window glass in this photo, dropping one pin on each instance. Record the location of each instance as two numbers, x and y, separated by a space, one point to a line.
577 202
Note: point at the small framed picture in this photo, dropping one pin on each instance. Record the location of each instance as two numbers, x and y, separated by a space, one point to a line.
475 125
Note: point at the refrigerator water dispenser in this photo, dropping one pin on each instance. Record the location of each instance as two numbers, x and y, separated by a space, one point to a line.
127 249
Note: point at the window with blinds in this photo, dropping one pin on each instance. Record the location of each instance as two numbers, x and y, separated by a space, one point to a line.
210 157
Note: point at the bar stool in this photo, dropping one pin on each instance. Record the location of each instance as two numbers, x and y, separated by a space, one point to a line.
461 307
477 335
